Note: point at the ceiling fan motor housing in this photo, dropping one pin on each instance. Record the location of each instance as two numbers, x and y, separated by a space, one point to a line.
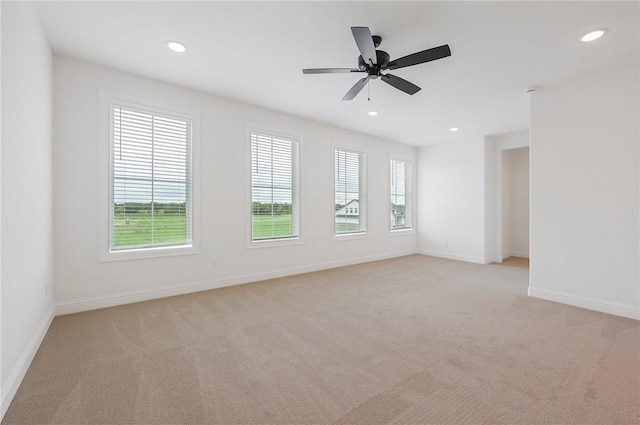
382 58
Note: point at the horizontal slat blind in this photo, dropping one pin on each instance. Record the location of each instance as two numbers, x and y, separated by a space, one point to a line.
151 179
400 194
350 192
274 187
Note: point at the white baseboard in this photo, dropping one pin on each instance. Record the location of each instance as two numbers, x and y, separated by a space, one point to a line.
86 304
609 307
519 254
21 367
451 256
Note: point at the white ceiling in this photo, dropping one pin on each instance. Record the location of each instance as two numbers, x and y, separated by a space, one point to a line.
255 51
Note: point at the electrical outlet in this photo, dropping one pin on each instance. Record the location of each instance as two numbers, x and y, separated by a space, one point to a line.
214 262
446 243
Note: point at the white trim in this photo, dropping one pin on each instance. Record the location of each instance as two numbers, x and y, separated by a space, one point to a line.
412 196
86 304
151 252
402 232
24 361
520 254
275 242
604 306
105 98
363 203
296 138
452 256
348 236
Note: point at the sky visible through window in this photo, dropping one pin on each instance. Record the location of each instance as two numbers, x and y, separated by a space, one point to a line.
347 177
398 182
271 170
149 158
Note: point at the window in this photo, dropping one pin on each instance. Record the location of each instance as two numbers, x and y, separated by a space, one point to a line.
275 205
151 185
400 190
350 192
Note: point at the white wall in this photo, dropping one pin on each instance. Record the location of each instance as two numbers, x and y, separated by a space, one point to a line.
515 222
451 200
459 199
27 229
584 192
82 282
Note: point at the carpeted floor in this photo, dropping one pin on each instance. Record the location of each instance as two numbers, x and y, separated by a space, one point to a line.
412 340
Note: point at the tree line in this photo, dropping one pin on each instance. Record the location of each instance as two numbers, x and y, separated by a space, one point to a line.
145 208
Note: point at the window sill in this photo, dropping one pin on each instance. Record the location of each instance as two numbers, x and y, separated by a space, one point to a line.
402 232
270 243
350 236
155 252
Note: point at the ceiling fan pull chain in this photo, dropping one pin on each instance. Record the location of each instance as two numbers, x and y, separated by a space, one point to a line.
368 92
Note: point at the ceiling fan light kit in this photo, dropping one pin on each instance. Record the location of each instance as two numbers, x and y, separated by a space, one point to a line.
373 62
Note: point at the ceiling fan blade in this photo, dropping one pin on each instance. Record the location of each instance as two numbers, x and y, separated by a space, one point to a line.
329 70
363 38
400 84
420 57
356 88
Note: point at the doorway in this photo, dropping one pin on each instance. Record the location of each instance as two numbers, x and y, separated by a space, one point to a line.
515 203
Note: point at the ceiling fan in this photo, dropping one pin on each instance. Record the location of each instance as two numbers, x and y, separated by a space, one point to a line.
373 62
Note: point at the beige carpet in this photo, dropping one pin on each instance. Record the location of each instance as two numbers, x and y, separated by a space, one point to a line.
413 340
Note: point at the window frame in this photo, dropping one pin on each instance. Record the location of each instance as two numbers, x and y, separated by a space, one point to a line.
409 194
297 140
364 179
108 98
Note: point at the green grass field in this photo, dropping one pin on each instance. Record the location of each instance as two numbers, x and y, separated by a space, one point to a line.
266 227
135 229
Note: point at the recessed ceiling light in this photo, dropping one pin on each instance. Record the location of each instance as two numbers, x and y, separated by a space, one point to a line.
454 129
176 46
593 35
372 113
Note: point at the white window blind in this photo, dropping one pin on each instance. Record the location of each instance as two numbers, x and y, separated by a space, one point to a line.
350 192
275 205
400 190
151 180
